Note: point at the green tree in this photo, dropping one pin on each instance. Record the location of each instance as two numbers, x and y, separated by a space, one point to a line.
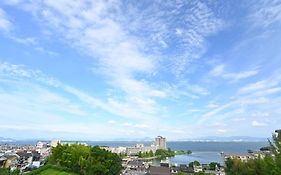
151 153
213 165
86 160
194 163
140 154
275 146
4 171
269 165
164 153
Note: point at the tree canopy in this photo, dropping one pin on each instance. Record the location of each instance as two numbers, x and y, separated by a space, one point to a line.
86 160
269 165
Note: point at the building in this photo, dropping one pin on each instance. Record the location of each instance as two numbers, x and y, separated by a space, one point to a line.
139 145
39 145
118 150
152 170
55 142
198 168
133 150
242 157
160 142
140 148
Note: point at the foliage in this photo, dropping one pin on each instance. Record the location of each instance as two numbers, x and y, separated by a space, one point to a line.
4 171
181 173
161 153
266 148
213 165
164 153
86 160
201 173
180 152
269 165
47 168
276 147
195 163
55 172
146 154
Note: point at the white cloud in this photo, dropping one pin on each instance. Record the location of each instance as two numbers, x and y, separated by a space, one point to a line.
221 130
25 41
265 13
253 87
220 71
140 108
92 28
263 87
127 124
137 126
238 119
212 105
258 124
240 75
111 121
5 24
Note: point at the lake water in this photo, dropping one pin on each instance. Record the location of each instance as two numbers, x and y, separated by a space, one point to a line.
202 157
204 152
227 147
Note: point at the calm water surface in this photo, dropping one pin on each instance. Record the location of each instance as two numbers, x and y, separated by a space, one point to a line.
204 152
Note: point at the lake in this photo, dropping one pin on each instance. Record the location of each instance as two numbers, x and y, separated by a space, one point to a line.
204 152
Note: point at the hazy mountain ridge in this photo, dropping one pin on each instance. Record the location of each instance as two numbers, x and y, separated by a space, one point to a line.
230 139
3 139
149 139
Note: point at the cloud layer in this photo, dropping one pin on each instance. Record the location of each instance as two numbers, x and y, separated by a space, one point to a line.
140 68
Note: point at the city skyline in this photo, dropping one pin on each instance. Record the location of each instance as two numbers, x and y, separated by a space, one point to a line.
83 70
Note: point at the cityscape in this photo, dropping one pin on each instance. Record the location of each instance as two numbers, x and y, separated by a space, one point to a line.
136 159
140 87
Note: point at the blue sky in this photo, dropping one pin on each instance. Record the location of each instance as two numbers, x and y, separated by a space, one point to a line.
101 70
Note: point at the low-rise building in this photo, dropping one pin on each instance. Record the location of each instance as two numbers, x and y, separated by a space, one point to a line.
198 168
55 142
153 170
242 157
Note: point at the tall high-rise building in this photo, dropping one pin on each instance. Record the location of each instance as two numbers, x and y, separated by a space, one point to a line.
160 142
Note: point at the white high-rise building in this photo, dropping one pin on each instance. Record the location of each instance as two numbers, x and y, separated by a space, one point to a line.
160 142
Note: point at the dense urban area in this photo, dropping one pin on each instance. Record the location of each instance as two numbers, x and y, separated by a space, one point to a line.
79 158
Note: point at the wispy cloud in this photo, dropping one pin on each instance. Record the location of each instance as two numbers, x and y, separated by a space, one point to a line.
5 23
258 124
149 62
220 71
266 13
132 108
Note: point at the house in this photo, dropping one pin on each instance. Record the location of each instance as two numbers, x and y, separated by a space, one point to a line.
153 170
198 168
242 157
136 165
185 168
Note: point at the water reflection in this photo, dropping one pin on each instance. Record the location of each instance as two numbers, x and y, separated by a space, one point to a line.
202 157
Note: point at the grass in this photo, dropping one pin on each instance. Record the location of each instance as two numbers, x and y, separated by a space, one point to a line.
51 171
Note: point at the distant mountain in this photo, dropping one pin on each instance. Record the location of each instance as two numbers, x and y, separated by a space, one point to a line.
227 139
3 139
145 139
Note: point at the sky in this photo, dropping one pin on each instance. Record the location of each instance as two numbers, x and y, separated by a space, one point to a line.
110 69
